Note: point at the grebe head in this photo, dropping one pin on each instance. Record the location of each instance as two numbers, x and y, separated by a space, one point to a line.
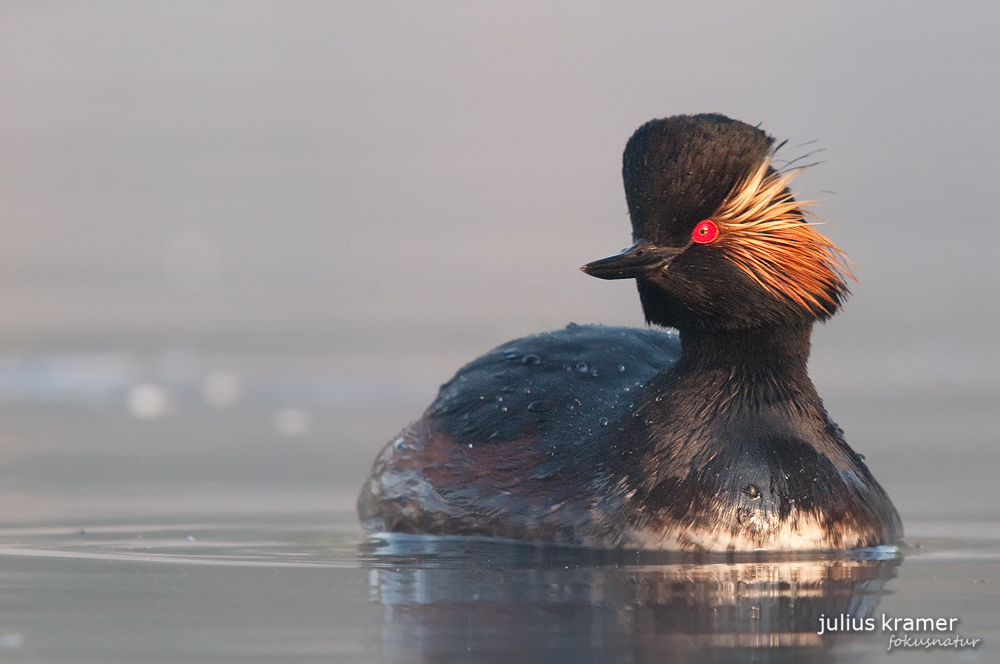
720 241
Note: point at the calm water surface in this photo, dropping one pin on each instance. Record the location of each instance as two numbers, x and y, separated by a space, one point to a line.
303 588
210 534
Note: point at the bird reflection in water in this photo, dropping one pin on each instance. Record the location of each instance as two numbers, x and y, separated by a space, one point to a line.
462 599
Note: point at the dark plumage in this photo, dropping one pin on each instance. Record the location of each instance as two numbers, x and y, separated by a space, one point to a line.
617 437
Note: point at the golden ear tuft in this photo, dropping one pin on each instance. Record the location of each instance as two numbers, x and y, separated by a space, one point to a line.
765 234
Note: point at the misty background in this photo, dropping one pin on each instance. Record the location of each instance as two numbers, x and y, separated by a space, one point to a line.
241 244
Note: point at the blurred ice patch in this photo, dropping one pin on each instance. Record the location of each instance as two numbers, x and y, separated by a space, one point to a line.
87 378
147 401
152 386
11 640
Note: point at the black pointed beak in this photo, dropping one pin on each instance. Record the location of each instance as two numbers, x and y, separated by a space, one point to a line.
639 260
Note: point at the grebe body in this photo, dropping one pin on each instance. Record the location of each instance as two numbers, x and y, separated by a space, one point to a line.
708 435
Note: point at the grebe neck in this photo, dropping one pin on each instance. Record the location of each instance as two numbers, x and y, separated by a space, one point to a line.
760 365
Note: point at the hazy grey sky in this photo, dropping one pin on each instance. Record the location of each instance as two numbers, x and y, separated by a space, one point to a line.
195 170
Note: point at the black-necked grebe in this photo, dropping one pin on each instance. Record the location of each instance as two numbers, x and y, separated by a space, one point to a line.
710 438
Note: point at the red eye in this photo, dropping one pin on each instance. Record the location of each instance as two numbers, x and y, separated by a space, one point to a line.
706 231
